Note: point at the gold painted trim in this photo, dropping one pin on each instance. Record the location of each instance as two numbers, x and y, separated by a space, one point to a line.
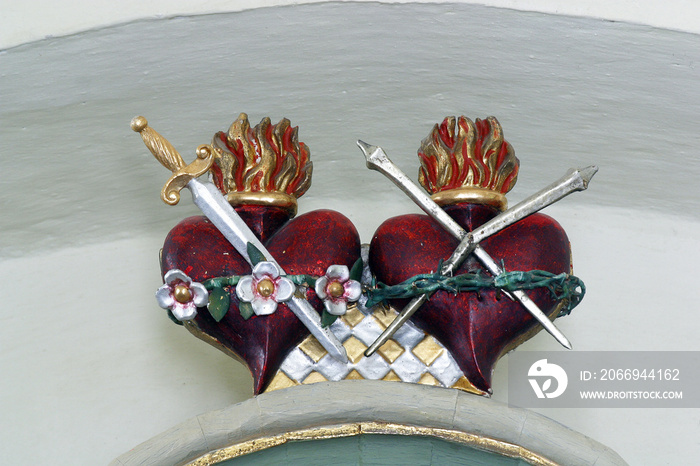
171 159
358 428
194 329
261 198
471 195
170 194
426 351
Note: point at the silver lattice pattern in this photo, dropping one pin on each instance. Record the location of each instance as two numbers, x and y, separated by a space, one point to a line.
410 356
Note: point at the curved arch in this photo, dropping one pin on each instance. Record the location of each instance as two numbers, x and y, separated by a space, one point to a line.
348 408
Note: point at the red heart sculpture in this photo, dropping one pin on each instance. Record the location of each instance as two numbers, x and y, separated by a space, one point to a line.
477 328
308 244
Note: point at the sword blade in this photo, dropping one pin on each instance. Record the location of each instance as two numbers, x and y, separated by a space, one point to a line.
574 181
216 208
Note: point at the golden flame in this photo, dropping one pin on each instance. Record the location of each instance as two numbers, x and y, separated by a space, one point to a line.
459 153
266 159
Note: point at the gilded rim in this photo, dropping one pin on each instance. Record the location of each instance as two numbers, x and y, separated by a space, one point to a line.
471 195
259 198
194 329
359 428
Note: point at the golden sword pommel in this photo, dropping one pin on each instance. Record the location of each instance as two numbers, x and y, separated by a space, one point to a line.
171 159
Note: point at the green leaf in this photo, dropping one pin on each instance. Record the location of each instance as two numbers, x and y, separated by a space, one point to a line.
356 270
246 309
173 318
327 318
219 302
255 254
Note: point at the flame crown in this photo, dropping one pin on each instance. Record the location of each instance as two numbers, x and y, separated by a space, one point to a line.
460 154
266 159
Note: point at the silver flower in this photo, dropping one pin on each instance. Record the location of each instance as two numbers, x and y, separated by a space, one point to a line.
181 295
265 288
335 289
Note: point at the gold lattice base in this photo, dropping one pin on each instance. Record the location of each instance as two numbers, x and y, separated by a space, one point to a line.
411 356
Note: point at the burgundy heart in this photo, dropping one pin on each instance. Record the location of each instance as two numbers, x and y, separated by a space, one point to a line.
308 244
477 328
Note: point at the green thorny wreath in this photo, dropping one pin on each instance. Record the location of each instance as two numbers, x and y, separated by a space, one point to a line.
562 286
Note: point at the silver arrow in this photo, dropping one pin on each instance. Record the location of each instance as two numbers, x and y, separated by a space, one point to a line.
216 208
574 180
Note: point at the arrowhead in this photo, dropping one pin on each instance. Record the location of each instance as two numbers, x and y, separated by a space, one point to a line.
587 173
366 148
376 158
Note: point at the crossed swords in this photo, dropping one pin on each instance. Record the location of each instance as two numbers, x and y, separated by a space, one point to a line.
574 180
217 209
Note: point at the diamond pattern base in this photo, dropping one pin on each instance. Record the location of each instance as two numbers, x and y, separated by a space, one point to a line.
410 356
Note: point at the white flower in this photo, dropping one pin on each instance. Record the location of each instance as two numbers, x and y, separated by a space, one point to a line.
335 289
265 288
181 295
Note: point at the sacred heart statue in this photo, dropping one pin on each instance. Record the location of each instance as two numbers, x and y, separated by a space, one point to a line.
434 299
261 171
468 167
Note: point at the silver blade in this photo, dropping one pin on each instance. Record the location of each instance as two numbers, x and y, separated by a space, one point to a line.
572 181
217 209
378 160
523 298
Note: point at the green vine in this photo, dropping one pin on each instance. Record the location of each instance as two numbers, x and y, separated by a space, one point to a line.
562 286
220 301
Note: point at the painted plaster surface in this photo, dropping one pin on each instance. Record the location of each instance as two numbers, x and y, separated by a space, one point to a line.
567 91
82 337
316 406
54 19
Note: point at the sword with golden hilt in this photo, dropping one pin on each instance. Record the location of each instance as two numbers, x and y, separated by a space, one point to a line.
574 180
216 208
